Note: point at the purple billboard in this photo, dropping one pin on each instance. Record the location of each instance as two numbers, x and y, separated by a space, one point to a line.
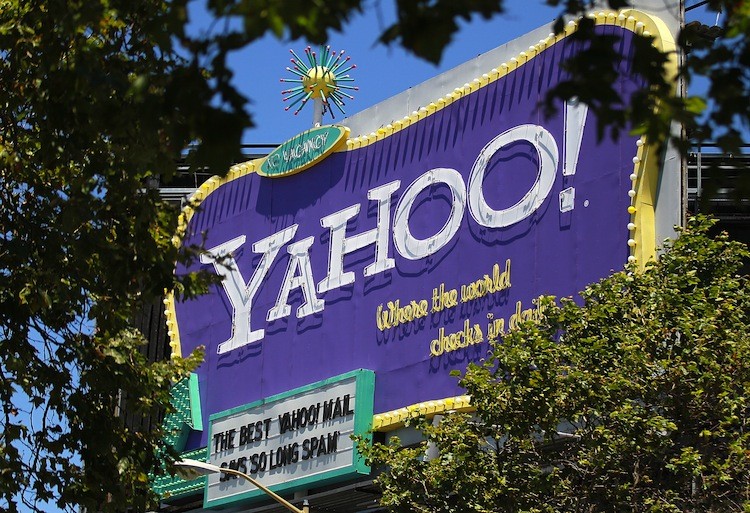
405 252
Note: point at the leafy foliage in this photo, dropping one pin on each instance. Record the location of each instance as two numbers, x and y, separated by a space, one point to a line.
93 107
635 400
99 98
719 55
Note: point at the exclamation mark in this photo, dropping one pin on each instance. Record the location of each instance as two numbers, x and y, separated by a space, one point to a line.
575 122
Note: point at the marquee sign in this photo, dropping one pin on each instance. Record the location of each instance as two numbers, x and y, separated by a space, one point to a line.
290 439
406 250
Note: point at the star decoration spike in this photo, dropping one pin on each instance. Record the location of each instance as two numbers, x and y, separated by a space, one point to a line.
323 78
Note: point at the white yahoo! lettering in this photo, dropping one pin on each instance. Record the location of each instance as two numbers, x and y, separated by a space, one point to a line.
299 270
299 261
240 294
341 245
546 148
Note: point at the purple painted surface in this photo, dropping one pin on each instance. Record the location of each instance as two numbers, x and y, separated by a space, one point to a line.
552 252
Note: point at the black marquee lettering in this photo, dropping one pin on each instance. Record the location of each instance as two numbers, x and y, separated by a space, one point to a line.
347 407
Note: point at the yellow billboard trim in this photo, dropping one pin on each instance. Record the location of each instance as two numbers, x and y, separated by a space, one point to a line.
391 420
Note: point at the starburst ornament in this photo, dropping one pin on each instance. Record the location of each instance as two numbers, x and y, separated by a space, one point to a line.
322 78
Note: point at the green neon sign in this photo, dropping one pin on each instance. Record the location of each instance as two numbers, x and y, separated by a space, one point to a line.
303 150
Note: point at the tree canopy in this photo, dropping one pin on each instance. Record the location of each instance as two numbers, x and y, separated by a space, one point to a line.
636 399
99 99
95 102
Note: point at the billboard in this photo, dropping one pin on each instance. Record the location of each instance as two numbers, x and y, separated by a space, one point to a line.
403 251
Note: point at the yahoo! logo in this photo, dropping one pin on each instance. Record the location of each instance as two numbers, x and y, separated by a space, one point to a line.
392 223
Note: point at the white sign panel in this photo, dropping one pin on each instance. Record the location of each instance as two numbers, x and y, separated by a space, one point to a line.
290 440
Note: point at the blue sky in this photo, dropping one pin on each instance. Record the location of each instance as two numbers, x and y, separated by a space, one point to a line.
381 71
